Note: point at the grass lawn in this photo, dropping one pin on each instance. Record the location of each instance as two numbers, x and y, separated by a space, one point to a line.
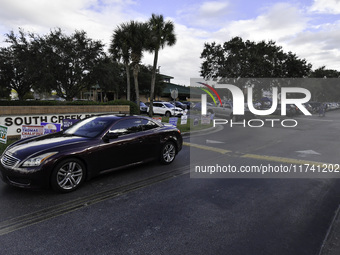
189 126
4 146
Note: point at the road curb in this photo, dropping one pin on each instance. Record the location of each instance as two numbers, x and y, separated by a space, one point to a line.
331 243
203 131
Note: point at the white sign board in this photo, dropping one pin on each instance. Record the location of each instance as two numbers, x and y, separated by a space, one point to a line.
14 123
205 120
30 131
3 134
184 119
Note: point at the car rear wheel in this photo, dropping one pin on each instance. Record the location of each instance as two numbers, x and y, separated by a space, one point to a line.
168 153
68 175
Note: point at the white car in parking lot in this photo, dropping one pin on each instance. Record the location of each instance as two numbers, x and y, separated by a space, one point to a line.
167 109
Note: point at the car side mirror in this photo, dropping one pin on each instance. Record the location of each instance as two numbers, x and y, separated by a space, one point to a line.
109 136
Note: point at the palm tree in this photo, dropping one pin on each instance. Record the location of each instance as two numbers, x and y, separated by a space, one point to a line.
120 49
162 34
128 43
138 38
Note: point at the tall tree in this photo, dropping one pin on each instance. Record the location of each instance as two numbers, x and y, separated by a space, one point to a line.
246 59
162 34
144 78
18 64
108 74
69 61
322 72
139 33
325 84
121 51
128 43
4 91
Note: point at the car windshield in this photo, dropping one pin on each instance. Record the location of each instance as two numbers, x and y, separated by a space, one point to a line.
169 105
90 127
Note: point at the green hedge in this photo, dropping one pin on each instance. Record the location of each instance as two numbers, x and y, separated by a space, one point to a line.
133 107
45 102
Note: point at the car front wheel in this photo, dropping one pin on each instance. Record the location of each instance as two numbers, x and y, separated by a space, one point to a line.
68 175
168 153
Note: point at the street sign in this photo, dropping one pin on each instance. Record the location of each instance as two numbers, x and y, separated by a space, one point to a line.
174 93
173 121
3 134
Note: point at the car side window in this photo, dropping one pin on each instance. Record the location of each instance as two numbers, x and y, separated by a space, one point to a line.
227 105
127 126
149 124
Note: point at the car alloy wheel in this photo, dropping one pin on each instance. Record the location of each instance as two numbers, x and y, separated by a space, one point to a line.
68 175
168 153
168 114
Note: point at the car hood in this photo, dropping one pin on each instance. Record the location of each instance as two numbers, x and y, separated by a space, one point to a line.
53 142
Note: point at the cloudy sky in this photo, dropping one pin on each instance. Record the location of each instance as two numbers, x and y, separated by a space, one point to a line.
308 28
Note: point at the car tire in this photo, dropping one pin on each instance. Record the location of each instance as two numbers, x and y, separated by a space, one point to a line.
168 114
68 175
168 153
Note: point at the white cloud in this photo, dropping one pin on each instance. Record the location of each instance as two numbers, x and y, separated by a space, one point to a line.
280 21
40 12
97 18
319 47
301 30
326 6
210 14
213 8
290 27
182 61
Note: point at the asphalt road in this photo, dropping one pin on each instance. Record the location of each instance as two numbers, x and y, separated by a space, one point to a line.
154 209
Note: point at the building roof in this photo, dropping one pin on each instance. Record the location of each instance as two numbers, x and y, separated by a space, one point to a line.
166 76
182 90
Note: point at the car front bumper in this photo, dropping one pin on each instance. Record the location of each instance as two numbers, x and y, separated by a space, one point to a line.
38 178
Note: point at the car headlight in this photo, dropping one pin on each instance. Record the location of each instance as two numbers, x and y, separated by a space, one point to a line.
36 161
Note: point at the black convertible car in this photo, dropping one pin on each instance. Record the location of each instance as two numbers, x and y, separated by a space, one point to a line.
95 145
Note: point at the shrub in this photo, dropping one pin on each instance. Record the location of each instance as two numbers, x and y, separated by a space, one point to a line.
133 107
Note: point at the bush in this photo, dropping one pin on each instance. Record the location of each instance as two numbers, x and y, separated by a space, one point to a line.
133 107
45 103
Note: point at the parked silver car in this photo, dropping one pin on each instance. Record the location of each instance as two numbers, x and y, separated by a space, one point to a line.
226 111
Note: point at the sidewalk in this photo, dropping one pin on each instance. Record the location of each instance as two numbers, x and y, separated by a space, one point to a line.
331 245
